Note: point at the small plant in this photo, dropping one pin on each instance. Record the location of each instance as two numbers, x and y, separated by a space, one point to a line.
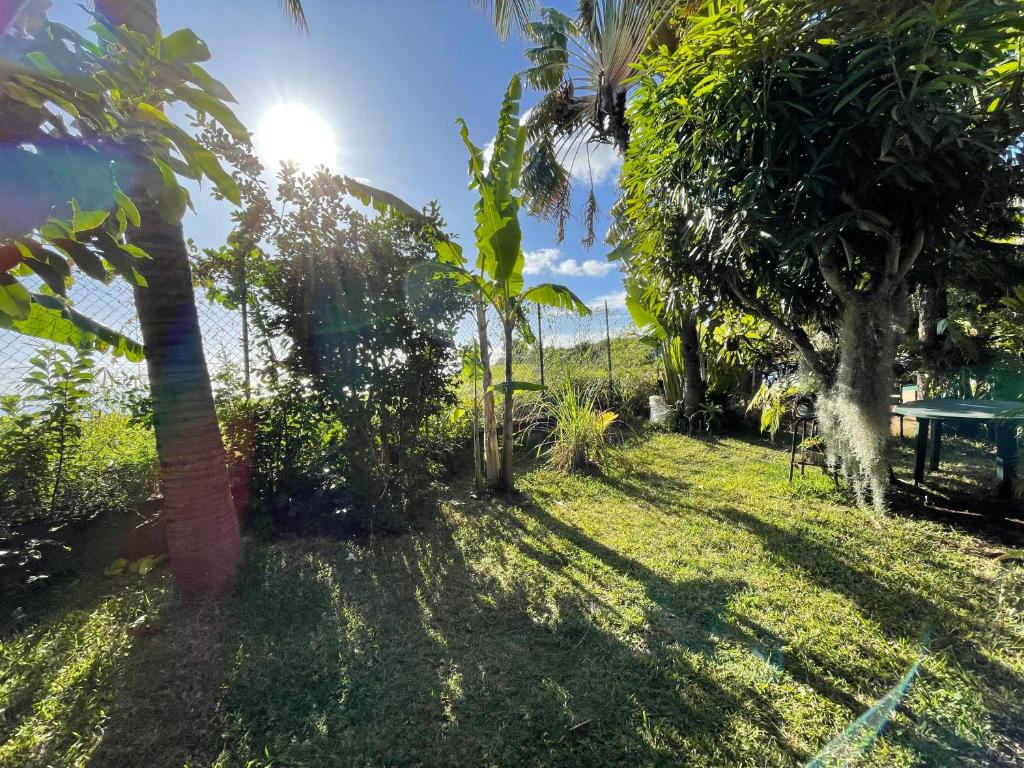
40 431
64 451
578 441
706 418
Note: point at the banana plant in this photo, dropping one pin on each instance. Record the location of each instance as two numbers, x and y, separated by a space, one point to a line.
497 277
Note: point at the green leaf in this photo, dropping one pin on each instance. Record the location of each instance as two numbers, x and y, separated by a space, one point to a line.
130 209
211 85
84 259
381 201
15 301
51 318
558 296
152 114
86 221
44 65
449 252
185 45
215 108
215 173
172 200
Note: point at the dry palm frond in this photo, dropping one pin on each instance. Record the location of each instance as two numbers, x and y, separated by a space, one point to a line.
590 219
296 12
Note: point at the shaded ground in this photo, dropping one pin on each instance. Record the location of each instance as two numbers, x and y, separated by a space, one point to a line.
689 608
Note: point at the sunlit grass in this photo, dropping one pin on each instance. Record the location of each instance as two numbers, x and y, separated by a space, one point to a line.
689 607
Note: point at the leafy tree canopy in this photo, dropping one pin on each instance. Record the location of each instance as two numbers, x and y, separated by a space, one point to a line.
796 155
82 127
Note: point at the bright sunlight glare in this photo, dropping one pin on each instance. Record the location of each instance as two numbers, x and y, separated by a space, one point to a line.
293 132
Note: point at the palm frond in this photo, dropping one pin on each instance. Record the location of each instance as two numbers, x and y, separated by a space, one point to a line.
296 12
590 212
545 180
508 15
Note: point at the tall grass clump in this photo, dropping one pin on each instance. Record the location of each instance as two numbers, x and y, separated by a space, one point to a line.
578 441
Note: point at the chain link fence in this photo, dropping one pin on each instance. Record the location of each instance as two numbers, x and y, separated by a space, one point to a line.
600 348
113 305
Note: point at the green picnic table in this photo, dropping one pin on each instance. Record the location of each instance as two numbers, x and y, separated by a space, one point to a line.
1003 415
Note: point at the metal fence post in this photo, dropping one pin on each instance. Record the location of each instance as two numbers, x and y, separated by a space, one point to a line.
540 344
245 327
608 338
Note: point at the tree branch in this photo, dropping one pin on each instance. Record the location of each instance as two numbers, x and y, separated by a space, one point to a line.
916 246
831 270
796 335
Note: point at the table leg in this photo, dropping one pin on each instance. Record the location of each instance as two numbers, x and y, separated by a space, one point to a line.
792 454
922 450
1007 457
936 444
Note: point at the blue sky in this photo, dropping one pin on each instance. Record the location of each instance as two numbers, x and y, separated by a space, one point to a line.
389 77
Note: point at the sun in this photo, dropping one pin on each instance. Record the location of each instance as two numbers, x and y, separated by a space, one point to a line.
292 132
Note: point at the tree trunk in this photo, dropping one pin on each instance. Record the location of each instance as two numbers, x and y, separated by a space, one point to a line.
932 307
855 411
202 528
492 460
695 389
507 480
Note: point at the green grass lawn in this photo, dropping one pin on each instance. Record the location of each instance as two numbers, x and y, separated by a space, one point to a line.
690 608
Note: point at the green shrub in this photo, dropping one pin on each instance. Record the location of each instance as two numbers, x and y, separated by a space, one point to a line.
578 438
114 466
62 458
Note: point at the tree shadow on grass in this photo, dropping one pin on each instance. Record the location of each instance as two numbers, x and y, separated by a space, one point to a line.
501 634
898 606
507 638
60 674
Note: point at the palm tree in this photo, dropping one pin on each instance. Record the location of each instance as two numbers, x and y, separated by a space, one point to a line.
295 11
583 65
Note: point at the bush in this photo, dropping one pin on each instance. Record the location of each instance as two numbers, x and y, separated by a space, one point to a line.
113 468
283 454
60 457
578 439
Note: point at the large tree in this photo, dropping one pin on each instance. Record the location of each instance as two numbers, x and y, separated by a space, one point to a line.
818 159
104 196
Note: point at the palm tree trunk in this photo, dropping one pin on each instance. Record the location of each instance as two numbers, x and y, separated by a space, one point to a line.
202 528
507 481
492 461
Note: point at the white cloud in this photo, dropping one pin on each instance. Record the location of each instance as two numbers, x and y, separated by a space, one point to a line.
603 166
550 260
541 260
589 268
615 301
